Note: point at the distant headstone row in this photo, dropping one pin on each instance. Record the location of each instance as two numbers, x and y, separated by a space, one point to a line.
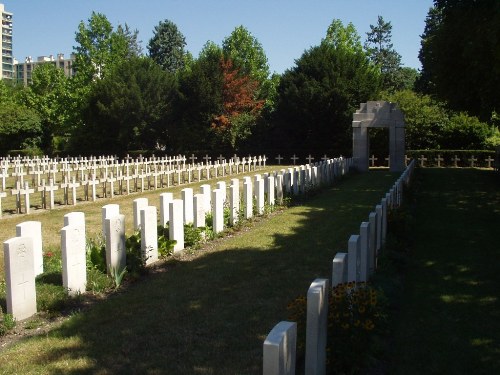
23 254
355 265
84 178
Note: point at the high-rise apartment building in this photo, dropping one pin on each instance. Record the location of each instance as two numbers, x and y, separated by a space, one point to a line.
24 70
7 67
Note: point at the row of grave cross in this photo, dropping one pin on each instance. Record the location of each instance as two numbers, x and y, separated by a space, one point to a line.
422 159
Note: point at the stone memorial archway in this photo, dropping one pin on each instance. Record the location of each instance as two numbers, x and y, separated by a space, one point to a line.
378 114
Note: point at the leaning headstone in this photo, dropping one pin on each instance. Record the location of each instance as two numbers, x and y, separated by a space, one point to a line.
74 265
115 243
139 204
339 269
19 277
316 330
280 349
165 199
33 229
176 224
149 234
353 258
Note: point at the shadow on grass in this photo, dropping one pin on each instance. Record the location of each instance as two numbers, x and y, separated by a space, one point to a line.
450 321
211 315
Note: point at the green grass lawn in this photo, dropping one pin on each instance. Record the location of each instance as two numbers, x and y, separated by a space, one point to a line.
450 312
209 314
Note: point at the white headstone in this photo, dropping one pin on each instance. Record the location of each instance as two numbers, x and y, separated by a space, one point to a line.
139 204
176 224
149 234
221 185
207 192
74 265
217 211
199 211
107 211
280 349
353 258
372 219
115 243
270 190
187 198
33 229
75 218
316 330
234 201
364 247
339 269
165 199
20 277
259 195
248 199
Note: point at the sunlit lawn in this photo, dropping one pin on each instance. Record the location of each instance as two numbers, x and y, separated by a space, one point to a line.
210 314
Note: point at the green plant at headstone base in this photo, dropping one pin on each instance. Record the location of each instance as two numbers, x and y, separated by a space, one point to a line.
136 264
117 275
96 254
355 320
192 235
97 281
165 244
7 322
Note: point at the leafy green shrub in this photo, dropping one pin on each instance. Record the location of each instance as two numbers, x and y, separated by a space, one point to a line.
192 235
97 281
96 254
136 264
165 244
7 322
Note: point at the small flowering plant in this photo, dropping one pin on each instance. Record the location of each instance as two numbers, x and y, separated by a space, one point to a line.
355 316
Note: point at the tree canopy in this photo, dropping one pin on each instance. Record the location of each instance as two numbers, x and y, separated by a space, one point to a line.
459 55
319 95
166 47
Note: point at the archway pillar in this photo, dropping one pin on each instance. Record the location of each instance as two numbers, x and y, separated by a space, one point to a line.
378 114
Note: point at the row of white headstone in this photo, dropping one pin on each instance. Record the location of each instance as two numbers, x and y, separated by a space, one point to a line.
111 175
357 265
23 254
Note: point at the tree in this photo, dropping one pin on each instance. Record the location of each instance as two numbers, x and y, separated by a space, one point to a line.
166 47
318 97
49 95
200 99
128 109
20 127
382 54
459 55
239 103
247 54
99 48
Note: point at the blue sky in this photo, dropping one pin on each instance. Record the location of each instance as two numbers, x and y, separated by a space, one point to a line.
285 28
